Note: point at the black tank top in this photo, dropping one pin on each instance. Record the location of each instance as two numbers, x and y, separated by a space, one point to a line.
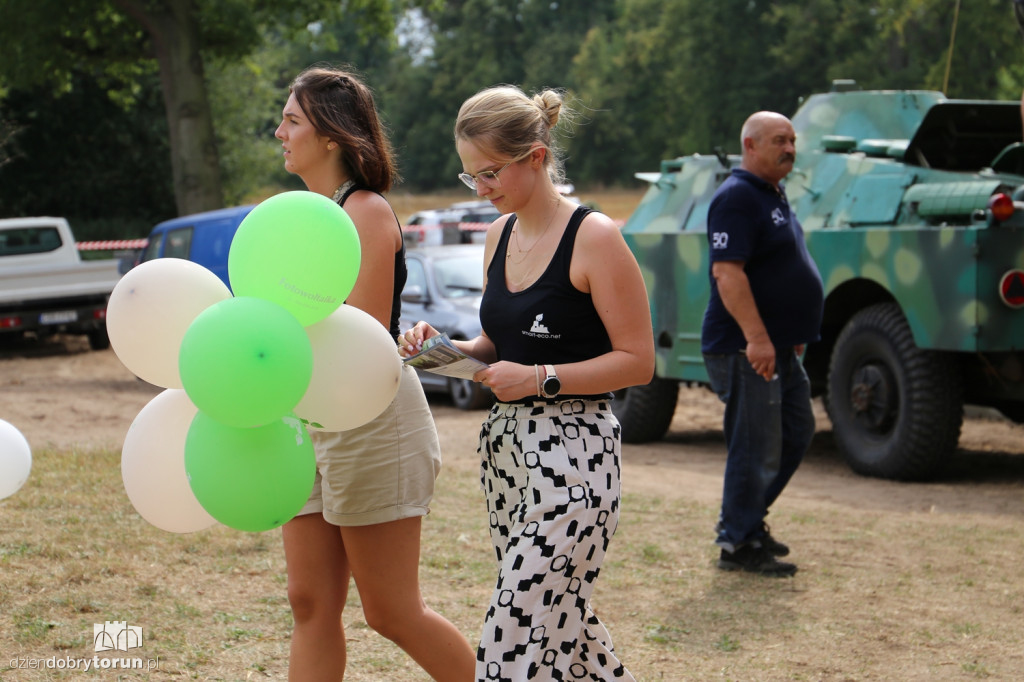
551 322
401 273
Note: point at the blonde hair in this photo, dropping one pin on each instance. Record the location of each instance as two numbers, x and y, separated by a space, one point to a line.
503 120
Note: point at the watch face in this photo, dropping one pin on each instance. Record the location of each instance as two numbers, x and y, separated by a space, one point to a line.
552 386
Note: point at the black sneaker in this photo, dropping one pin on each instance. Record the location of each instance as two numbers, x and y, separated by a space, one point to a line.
771 544
755 560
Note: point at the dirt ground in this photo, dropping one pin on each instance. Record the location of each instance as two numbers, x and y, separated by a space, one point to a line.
60 395
63 396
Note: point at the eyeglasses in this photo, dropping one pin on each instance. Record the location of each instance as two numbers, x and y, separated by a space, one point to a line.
489 178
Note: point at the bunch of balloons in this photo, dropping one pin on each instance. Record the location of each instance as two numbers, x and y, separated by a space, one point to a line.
248 371
15 459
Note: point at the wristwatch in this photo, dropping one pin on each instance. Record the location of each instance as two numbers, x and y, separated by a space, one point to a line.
551 385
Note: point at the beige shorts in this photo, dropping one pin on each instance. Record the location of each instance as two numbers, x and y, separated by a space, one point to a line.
382 471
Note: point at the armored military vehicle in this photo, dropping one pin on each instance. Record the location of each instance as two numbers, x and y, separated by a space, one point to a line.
913 209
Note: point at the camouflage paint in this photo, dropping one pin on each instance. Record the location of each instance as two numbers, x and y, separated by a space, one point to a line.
882 223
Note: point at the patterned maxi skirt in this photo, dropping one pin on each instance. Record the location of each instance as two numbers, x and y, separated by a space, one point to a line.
550 474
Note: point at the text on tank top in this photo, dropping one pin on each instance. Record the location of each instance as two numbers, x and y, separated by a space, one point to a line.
549 322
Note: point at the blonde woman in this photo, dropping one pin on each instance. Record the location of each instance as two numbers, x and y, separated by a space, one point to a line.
565 322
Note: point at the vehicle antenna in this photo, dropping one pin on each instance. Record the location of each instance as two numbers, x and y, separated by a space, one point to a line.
949 57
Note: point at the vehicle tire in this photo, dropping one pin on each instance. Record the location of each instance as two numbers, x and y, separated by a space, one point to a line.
469 395
645 412
98 339
896 410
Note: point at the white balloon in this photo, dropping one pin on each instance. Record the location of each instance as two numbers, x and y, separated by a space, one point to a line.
15 459
356 371
153 465
150 309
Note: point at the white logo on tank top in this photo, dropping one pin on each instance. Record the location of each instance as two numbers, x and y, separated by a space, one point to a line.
540 330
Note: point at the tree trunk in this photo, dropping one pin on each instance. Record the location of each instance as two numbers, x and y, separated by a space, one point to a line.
195 163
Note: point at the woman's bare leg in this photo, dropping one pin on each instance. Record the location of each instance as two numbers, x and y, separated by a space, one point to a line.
384 559
318 576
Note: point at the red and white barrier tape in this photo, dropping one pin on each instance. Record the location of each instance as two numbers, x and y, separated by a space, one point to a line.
113 244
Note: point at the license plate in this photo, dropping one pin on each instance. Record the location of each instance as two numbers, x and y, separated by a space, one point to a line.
58 317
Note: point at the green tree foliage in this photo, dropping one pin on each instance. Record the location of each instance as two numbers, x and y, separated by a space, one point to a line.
671 78
623 114
117 41
680 77
84 157
474 44
901 43
651 79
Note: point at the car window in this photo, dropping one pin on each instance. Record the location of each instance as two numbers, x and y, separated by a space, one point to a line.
179 243
458 277
25 240
481 217
153 247
416 276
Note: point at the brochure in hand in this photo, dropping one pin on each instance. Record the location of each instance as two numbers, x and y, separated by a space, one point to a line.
440 356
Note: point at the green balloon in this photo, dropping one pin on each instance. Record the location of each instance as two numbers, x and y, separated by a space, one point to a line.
245 361
299 250
250 479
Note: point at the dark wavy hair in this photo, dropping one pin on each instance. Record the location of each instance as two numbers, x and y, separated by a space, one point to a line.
341 108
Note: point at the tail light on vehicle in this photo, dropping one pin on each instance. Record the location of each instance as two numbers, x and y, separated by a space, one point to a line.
1001 206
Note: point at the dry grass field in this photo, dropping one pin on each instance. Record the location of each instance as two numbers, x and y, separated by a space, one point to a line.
616 203
915 582
897 581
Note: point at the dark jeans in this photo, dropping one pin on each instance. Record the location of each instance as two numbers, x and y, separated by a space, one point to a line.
768 427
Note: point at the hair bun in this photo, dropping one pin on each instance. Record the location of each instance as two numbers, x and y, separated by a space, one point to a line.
550 104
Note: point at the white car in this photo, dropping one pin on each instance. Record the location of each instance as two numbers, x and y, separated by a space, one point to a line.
461 223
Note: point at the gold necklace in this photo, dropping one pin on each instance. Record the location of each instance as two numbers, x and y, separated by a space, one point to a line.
515 236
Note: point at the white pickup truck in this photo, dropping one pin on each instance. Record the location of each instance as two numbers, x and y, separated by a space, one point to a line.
45 286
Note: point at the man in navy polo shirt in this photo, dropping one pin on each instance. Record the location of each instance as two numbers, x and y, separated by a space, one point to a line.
765 306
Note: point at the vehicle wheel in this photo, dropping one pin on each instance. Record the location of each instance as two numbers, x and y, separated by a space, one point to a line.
896 410
645 412
469 395
98 339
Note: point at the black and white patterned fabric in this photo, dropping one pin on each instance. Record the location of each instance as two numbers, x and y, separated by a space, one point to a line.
550 474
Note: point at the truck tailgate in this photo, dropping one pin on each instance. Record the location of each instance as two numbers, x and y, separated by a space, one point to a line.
34 282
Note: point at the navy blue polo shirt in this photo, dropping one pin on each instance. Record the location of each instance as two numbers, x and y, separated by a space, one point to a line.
750 221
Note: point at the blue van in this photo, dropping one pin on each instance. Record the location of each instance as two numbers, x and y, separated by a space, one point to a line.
204 238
